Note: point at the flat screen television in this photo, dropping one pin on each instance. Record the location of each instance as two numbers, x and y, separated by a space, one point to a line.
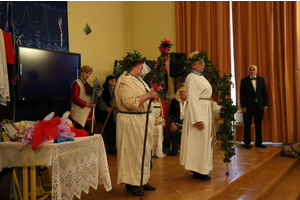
46 74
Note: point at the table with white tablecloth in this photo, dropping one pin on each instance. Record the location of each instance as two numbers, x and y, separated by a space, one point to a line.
75 165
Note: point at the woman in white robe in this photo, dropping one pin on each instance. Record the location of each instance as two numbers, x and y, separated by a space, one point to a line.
196 143
158 133
132 98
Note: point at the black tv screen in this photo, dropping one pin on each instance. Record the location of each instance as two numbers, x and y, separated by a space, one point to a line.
46 74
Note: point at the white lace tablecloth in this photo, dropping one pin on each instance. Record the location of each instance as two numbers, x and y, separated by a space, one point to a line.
75 165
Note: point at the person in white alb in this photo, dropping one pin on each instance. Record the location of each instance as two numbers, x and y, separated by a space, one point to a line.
132 96
196 150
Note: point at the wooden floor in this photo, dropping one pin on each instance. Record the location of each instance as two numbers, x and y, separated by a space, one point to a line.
174 182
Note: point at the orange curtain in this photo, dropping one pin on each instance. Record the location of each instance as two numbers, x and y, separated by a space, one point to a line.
204 25
265 34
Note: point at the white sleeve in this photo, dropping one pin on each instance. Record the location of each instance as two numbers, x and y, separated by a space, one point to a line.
192 91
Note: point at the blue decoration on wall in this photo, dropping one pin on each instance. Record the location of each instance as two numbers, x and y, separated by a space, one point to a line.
2 14
41 24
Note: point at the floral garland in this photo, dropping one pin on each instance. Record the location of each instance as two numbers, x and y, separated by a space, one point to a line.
227 118
160 66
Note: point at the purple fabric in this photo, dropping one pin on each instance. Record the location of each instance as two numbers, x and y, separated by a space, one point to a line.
64 129
28 133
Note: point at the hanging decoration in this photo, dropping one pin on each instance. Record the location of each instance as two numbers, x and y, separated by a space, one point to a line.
40 24
61 33
88 29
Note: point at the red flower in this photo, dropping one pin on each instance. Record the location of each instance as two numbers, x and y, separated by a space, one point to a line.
166 59
156 88
165 68
167 41
160 48
166 50
156 65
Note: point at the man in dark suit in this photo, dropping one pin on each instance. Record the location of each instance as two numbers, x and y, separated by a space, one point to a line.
254 102
176 116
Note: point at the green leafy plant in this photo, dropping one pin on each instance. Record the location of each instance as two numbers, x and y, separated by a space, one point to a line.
227 118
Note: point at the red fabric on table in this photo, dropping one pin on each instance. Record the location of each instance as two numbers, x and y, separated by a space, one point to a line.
45 130
79 132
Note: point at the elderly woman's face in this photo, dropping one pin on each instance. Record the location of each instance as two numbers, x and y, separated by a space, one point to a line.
182 94
85 75
199 66
136 70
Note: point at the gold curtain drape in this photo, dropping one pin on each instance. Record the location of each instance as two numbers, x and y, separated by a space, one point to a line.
204 25
265 34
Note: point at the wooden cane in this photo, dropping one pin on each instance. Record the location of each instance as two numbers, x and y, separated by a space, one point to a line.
93 119
144 148
105 123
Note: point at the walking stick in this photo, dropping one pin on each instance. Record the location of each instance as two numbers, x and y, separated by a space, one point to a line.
113 105
144 148
93 119
104 123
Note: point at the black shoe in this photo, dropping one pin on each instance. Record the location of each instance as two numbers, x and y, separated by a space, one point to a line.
247 146
173 154
201 176
135 190
149 187
112 152
260 146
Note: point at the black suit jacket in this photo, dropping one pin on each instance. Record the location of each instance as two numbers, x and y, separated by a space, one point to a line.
174 112
248 94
